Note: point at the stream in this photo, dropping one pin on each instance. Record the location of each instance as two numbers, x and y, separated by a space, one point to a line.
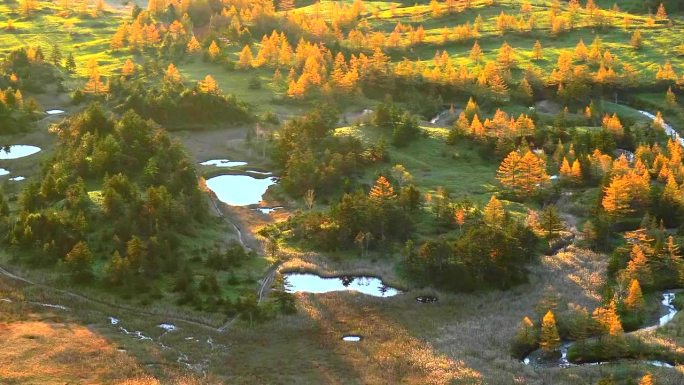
668 297
669 130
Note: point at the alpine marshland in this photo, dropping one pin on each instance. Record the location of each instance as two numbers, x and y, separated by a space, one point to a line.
342 192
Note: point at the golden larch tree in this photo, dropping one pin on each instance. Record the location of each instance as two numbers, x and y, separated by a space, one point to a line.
550 340
576 171
494 213
670 97
476 53
537 52
209 85
524 175
193 46
638 266
608 319
636 41
661 14
214 51
94 85
382 191
246 58
617 199
647 379
128 68
172 75
565 170
635 298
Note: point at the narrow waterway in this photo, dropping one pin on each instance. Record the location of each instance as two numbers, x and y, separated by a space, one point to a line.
535 358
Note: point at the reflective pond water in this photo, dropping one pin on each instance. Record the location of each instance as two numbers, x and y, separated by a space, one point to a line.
351 338
311 283
239 190
268 210
54 112
4 172
265 173
223 163
17 151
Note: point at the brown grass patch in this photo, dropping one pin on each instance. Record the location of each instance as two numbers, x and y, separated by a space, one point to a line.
58 353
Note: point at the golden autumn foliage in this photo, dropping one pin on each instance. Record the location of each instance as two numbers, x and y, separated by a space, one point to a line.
382 191
246 58
128 68
193 46
612 124
549 340
172 74
94 85
638 267
666 72
647 379
494 213
537 52
635 298
670 97
460 217
209 85
214 51
524 175
628 188
609 320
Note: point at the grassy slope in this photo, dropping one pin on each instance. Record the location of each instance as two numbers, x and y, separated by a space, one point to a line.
48 346
85 37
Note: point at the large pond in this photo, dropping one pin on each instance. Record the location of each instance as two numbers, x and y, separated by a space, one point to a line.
17 151
311 283
223 163
239 190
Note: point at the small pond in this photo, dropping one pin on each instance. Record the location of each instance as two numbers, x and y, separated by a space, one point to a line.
17 151
16 178
223 163
311 283
4 172
239 190
268 210
54 112
265 173
351 338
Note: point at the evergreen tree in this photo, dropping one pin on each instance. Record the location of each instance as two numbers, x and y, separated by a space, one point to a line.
550 221
70 63
56 55
80 260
